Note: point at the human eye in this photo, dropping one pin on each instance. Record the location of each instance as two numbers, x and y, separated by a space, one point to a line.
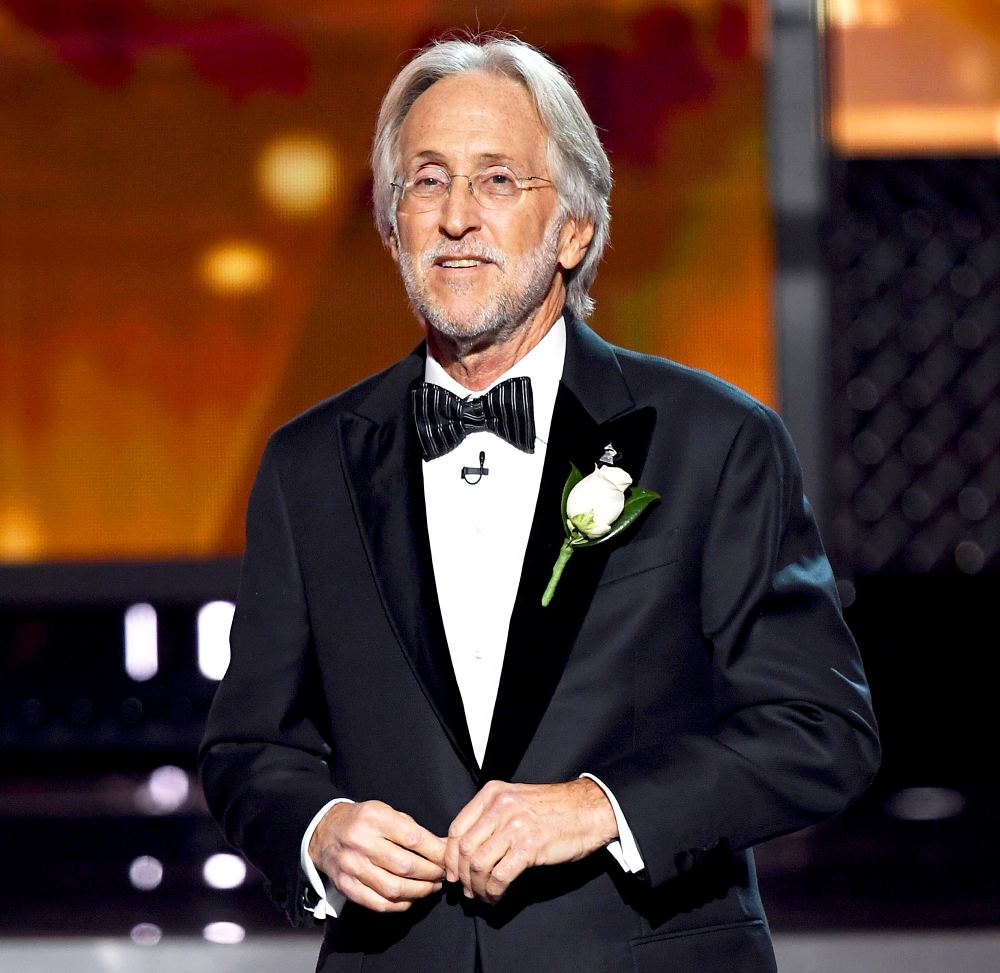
496 182
429 179
498 177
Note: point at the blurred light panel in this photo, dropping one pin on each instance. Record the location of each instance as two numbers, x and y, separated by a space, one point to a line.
863 13
913 77
901 128
236 267
224 933
224 871
166 790
298 175
214 621
146 934
145 873
141 653
925 804
20 534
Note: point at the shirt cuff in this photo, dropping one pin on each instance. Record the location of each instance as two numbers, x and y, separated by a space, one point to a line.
624 849
331 899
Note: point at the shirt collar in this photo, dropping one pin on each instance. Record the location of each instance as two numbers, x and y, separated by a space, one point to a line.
543 365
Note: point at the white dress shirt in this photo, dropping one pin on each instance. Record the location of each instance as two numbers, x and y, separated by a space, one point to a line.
478 535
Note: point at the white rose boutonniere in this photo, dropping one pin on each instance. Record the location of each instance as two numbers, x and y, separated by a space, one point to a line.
596 508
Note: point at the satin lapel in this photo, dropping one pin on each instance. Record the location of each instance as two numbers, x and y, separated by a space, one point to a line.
382 461
540 640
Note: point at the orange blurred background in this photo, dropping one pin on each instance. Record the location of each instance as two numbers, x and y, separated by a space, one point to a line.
914 77
187 257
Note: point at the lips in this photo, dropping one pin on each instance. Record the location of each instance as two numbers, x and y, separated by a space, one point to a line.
459 263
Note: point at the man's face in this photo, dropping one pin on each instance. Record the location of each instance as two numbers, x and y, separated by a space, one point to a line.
509 259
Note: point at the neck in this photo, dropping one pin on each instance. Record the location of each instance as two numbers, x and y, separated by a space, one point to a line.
480 361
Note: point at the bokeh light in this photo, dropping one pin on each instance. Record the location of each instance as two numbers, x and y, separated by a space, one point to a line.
299 175
214 621
236 267
145 873
224 933
224 871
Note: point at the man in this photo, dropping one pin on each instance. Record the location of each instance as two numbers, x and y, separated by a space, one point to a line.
407 741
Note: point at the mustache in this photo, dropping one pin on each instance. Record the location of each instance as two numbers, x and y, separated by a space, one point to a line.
446 250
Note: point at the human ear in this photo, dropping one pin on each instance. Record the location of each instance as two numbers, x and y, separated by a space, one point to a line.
574 239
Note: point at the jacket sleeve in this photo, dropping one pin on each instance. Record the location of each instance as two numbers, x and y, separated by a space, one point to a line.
794 738
263 758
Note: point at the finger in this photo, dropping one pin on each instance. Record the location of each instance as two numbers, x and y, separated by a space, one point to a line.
451 855
471 845
483 862
393 888
356 891
471 812
402 830
404 863
463 821
513 863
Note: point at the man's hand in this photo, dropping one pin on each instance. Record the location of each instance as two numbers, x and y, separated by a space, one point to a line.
507 828
378 857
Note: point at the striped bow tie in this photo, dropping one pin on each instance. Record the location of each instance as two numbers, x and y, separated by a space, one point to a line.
444 419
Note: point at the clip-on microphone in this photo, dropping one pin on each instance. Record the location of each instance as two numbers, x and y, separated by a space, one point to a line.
478 471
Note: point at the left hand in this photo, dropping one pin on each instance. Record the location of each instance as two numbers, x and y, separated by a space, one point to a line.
507 828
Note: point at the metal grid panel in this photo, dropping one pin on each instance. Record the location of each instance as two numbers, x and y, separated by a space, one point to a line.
915 253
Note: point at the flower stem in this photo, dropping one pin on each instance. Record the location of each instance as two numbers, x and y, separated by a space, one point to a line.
564 554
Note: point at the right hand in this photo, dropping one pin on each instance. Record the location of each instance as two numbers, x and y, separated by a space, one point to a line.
378 857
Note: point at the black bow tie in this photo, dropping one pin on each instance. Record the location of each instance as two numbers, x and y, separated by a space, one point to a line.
444 419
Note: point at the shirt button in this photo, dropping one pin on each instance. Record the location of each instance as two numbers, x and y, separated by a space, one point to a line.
477 654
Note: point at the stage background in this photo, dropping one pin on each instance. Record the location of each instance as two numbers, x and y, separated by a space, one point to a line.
187 257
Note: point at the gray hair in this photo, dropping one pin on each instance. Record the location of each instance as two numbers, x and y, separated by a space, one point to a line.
578 162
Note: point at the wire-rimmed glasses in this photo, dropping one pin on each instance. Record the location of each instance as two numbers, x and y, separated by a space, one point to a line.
495 187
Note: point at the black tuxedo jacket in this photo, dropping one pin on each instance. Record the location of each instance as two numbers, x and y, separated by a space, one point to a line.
700 668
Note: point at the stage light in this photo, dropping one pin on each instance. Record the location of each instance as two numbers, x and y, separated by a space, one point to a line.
925 804
146 934
912 127
145 873
20 534
224 933
141 654
299 175
224 871
863 13
165 791
214 621
236 267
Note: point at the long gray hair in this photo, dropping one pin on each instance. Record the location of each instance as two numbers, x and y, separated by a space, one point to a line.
579 165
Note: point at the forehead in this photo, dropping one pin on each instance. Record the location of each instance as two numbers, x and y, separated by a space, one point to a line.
473 117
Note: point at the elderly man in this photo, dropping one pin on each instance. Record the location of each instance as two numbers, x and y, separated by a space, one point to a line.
408 742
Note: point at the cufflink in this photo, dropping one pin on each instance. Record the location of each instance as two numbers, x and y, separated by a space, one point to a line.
309 897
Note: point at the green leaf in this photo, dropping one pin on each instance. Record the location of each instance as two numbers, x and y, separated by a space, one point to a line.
637 500
575 476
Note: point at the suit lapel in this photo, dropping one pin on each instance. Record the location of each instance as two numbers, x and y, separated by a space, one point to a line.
593 407
381 457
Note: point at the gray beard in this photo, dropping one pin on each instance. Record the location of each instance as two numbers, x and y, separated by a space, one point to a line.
520 294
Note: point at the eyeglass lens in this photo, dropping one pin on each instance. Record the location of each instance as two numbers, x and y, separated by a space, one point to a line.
494 186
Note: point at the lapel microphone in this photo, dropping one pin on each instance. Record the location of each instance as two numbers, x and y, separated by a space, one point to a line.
477 471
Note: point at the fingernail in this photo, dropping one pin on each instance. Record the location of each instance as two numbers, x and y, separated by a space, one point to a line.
468 893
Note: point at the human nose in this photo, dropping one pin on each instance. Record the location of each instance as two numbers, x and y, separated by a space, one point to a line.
460 211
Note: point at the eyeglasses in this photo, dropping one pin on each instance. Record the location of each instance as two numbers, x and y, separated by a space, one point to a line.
496 187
